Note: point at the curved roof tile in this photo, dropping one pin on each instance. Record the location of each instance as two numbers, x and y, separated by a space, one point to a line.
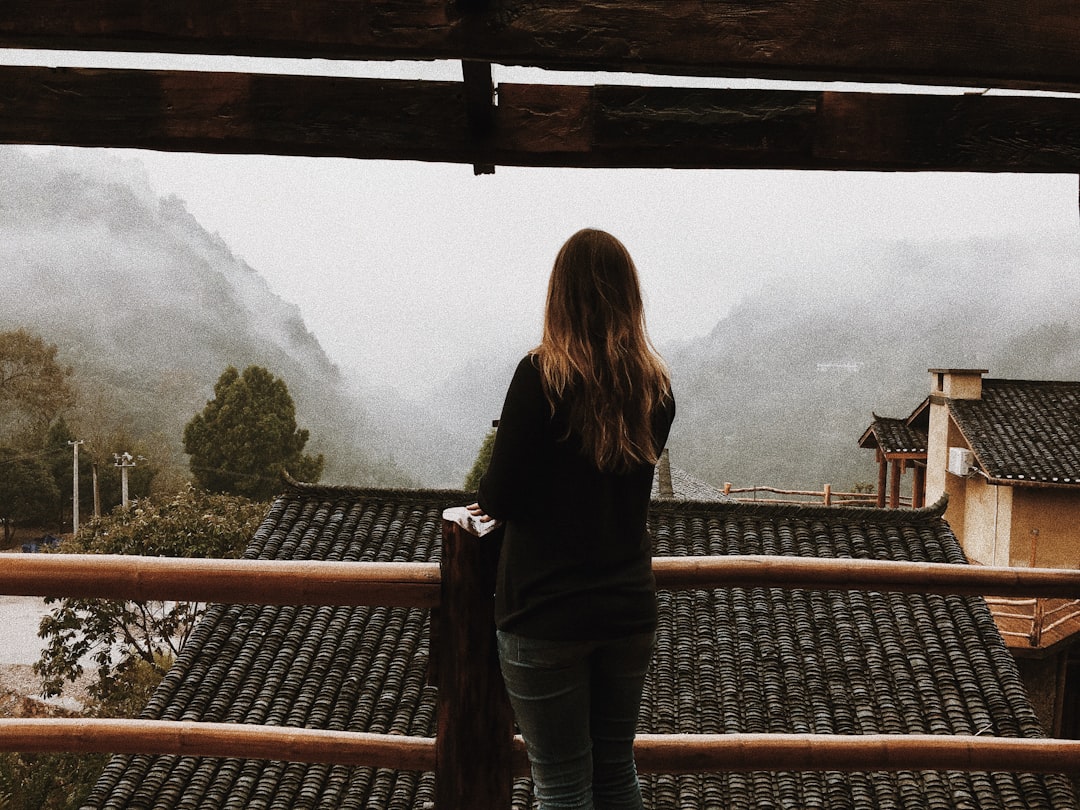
1024 430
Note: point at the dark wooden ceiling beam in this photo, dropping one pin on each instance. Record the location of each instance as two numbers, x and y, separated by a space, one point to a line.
978 43
479 108
538 125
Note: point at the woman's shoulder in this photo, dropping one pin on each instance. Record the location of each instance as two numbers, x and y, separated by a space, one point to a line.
529 364
527 374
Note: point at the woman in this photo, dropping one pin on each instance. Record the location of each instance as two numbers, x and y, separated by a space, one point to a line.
586 416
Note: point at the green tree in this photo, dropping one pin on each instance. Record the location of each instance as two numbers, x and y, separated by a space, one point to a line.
28 491
34 388
47 781
247 435
125 639
479 467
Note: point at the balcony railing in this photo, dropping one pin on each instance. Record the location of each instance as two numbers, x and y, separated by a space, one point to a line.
1035 622
475 754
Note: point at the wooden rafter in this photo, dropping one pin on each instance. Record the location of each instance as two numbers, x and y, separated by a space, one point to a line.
538 125
979 43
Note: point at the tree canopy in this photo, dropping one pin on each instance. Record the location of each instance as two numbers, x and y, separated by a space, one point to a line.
246 436
123 637
34 387
480 465
28 491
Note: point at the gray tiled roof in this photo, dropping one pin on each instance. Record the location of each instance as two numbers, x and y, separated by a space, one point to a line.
896 436
685 487
727 660
1024 430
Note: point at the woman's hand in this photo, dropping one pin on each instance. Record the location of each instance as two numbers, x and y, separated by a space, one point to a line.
478 513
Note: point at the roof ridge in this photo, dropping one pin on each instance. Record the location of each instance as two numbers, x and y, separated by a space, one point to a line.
452 496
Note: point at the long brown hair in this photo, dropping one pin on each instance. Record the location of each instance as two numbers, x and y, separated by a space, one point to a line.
595 347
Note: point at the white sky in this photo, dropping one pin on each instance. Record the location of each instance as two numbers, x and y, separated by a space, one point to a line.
397 266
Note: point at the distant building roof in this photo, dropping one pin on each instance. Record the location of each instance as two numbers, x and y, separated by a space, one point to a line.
1024 431
727 660
894 436
674 483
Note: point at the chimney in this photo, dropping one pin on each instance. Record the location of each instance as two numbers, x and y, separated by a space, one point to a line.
663 476
956 383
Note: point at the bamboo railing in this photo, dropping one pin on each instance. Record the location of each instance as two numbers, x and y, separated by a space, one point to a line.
475 754
263 582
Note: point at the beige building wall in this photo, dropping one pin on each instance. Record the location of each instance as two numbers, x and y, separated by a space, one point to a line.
1046 524
987 522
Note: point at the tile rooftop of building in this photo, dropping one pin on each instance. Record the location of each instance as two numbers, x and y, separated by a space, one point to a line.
685 487
894 436
1024 430
727 660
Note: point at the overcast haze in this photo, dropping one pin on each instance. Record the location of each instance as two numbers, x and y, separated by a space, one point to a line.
404 269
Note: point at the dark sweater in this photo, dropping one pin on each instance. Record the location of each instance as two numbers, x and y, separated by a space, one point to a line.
576 560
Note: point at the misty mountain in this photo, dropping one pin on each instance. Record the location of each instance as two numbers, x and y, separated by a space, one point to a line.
149 309
782 388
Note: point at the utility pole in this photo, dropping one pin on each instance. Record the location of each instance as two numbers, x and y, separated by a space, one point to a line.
97 493
125 462
75 487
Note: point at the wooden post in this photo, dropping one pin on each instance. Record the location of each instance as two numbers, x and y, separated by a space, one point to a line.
827 494
1035 636
894 485
882 478
918 486
475 722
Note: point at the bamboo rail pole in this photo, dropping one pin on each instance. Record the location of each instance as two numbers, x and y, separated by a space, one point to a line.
701 753
264 582
183 738
709 753
655 753
417 584
681 573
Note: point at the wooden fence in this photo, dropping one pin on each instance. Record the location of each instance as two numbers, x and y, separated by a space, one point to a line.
475 754
825 495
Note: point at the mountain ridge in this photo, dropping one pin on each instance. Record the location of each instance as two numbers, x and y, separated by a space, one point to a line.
149 309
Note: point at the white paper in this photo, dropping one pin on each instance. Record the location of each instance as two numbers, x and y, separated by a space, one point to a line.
463 518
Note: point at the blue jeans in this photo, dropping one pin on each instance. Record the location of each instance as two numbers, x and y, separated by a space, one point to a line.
576 704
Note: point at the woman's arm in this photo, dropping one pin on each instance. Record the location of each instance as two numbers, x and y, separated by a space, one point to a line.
510 481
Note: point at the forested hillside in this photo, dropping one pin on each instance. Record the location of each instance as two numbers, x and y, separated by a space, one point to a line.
783 387
149 309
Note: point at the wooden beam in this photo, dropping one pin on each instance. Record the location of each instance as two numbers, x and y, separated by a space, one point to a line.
977 43
655 753
705 753
479 108
241 740
279 582
766 571
882 478
918 487
897 470
538 125
234 113
260 582
473 715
